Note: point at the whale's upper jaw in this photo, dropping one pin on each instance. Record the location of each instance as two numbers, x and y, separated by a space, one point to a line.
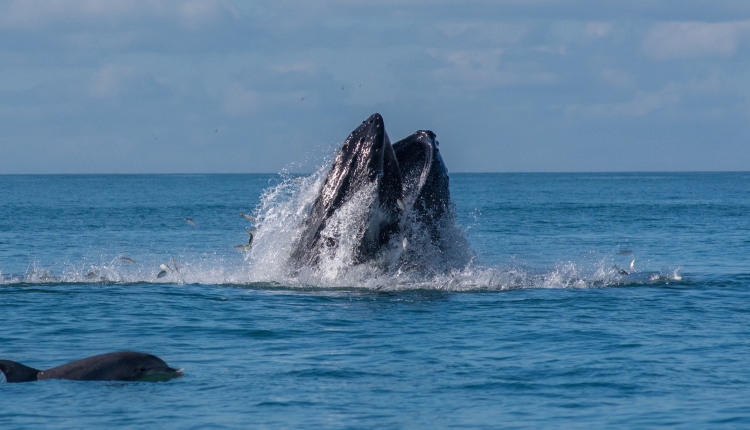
362 154
365 161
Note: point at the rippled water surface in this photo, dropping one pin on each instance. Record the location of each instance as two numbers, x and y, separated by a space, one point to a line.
538 330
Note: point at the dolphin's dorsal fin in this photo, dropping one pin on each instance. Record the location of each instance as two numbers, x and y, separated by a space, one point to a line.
17 372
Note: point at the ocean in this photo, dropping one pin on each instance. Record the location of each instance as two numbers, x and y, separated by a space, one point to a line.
582 300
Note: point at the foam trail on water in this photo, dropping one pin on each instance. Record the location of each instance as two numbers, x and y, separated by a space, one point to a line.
220 270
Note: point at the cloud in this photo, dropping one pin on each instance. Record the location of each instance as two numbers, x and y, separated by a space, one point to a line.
685 40
617 78
307 67
40 14
239 101
642 104
198 14
598 29
30 14
480 69
275 69
492 32
110 81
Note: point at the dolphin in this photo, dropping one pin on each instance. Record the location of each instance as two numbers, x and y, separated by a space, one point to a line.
114 366
365 161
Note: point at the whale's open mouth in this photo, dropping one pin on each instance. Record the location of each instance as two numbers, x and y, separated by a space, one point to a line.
382 205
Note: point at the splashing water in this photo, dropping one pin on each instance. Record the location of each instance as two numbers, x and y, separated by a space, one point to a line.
281 216
411 261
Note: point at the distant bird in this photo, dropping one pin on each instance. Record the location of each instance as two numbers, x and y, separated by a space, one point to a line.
247 217
127 260
216 131
401 204
303 99
404 243
190 221
342 88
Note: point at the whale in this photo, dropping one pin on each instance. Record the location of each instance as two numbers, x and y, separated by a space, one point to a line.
402 190
114 366
366 161
425 184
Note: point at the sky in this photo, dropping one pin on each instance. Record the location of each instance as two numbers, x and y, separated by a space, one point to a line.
219 86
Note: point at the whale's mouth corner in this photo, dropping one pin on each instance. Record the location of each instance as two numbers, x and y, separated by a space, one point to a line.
161 375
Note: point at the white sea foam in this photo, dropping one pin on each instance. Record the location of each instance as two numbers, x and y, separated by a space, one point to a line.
216 270
257 272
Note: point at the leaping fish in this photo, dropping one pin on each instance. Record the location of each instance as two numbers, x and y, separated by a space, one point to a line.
620 271
127 260
246 247
190 221
247 217
676 276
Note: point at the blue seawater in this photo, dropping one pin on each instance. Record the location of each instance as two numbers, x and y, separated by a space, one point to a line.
538 330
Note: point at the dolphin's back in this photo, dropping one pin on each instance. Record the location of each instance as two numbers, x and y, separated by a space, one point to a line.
114 366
